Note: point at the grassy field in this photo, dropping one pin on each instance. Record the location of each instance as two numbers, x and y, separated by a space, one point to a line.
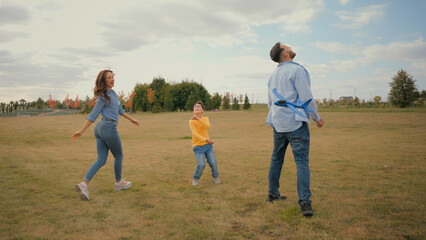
368 179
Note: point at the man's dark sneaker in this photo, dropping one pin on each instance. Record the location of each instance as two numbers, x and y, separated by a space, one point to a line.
272 197
306 209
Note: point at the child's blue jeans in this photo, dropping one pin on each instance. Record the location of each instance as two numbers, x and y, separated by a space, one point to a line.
207 152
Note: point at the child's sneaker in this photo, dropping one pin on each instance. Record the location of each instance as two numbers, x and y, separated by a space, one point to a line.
83 191
195 182
216 180
122 185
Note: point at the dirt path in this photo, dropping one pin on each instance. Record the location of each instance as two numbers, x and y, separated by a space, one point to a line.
49 113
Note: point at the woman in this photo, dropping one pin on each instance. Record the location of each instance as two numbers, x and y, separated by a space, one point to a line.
107 137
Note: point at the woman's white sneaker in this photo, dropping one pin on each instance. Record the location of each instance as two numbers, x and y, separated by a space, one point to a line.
195 182
83 191
122 185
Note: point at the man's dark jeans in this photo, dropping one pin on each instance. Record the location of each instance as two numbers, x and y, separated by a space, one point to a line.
299 141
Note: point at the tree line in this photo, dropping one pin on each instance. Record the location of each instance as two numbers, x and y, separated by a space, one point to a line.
156 96
160 95
403 93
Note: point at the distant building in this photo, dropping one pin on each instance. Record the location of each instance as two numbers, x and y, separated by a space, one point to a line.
344 99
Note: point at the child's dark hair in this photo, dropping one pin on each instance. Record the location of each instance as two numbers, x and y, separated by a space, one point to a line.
201 103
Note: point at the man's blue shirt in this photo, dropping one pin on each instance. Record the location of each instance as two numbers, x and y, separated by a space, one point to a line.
293 83
106 108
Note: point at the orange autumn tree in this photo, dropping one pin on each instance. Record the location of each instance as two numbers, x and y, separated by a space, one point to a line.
51 102
75 104
92 102
122 97
151 96
129 102
68 101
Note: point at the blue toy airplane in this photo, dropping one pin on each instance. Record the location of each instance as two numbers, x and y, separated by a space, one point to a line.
283 103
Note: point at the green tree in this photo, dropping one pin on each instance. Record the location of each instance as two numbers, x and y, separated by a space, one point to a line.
22 103
403 89
181 93
226 101
140 100
168 99
235 105
40 103
377 99
160 86
59 105
15 105
183 90
216 101
156 108
192 99
10 107
3 107
356 102
175 96
247 104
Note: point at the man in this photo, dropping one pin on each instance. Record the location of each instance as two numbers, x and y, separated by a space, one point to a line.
292 81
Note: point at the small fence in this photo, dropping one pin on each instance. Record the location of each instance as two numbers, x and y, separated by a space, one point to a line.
40 112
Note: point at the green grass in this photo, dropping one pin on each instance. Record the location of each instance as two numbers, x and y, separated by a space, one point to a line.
367 179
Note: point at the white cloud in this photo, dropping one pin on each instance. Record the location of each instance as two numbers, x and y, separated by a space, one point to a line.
359 35
7 36
219 23
13 14
365 87
125 27
410 56
343 66
298 20
361 17
406 51
418 70
419 65
62 44
58 47
337 47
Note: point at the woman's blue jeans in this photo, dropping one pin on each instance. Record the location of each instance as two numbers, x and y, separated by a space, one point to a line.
299 142
107 138
200 153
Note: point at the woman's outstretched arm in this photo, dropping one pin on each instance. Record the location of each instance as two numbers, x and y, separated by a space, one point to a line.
77 134
134 121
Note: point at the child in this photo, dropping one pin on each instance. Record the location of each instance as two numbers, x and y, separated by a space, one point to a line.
202 144
107 137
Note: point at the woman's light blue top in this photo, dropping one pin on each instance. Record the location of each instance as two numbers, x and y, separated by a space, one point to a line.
106 108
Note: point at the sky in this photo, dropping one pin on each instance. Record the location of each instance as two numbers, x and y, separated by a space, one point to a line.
349 47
